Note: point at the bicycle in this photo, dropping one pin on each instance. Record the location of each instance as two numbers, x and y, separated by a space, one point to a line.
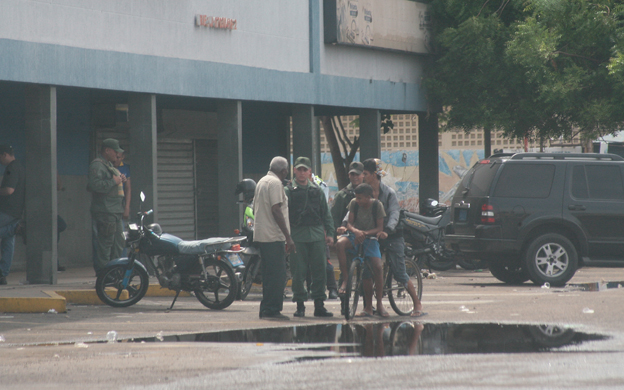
397 294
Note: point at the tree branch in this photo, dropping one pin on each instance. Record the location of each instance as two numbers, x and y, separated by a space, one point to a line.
576 55
483 6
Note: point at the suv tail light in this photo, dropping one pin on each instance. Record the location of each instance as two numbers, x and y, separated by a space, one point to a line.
487 214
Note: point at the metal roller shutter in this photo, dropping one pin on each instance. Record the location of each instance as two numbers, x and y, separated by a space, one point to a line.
176 187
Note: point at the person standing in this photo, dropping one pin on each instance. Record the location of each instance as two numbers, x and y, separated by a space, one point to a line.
392 241
345 195
312 229
105 183
272 233
12 192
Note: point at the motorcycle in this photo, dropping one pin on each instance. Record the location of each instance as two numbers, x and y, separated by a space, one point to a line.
203 267
424 236
446 257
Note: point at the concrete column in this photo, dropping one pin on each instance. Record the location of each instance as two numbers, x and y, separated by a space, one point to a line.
143 147
315 36
41 198
428 165
230 166
370 138
306 137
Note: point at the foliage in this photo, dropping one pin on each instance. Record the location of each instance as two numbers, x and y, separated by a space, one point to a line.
537 68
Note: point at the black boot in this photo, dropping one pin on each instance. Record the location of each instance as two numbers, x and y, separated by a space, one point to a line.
300 310
320 310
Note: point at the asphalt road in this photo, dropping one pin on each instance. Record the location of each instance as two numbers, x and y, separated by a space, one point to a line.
61 351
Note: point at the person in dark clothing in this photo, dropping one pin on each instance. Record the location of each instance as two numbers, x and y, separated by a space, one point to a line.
12 192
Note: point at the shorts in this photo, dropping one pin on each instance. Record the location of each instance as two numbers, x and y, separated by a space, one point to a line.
371 247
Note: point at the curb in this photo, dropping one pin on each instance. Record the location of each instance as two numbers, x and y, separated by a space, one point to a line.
58 300
34 305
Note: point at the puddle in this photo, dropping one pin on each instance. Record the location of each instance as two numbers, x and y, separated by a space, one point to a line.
401 338
596 286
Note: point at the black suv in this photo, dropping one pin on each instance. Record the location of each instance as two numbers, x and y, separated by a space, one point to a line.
540 216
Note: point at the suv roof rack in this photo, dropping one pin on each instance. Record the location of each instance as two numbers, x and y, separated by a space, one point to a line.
567 156
499 155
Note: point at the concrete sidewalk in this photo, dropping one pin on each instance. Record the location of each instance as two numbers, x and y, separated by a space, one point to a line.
75 285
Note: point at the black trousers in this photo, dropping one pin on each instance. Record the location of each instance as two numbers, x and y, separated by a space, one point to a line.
273 268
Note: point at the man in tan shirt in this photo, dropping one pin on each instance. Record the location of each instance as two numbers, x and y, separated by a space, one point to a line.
272 233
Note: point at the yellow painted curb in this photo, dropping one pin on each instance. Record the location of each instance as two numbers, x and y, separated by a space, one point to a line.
87 297
34 305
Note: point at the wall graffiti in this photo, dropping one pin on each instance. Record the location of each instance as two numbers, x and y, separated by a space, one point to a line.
403 175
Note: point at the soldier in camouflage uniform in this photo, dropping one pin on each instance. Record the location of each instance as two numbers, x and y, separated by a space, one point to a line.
106 186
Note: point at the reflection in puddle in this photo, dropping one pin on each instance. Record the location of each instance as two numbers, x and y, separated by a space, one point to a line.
403 338
596 286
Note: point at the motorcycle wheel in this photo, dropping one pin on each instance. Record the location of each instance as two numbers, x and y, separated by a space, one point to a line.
471 264
219 289
251 271
438 263
110 290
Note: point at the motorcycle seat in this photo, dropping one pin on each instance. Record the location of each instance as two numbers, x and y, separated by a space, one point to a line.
427 220
208 245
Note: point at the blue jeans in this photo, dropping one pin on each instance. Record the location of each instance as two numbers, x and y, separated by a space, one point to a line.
8 226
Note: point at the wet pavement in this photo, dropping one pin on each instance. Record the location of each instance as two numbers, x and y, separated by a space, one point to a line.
479 333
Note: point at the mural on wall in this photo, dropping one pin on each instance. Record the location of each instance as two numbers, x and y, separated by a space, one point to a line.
402 173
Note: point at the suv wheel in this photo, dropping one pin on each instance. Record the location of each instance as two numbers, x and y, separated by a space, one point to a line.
510 274
552 259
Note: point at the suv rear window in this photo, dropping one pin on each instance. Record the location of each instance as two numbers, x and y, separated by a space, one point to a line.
597 182
525 181
477 181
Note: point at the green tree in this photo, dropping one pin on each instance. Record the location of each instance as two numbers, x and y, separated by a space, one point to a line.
536 68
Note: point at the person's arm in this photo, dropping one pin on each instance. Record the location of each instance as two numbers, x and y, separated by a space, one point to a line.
338 207
393 211
128 196
328 221
99 180
276 210
9 181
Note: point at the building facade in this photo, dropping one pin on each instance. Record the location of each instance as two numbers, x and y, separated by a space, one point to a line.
200 93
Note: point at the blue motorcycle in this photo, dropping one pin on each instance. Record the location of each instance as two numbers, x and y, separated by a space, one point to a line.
204 267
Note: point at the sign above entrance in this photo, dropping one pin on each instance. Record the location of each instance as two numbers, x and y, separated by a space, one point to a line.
400 25
217 22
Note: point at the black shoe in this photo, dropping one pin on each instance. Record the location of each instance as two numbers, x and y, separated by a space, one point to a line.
3 280
300 310
60 268
274 316
320 310
333 294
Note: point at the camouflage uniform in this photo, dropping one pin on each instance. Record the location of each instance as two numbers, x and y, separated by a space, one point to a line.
106 212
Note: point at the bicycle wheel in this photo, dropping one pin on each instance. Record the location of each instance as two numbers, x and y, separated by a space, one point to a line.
354 288
399 298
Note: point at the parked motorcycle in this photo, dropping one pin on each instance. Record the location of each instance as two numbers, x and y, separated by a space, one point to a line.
446 258
204 267
424 236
